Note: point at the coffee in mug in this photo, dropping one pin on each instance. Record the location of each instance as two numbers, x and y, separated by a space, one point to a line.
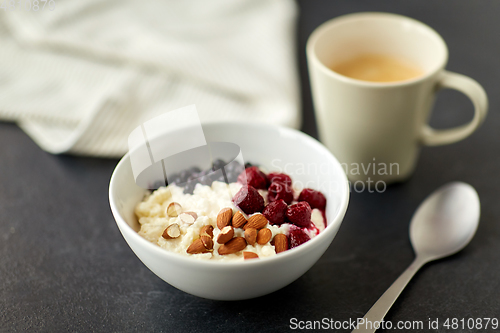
378 68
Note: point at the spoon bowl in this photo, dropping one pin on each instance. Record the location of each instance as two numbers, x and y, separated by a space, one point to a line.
446 221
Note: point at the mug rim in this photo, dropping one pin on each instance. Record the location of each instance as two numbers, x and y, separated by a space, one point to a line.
326 26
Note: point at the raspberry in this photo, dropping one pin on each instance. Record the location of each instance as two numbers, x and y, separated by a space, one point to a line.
299 214
249 200
252 176
279 177
297 237
275 212
314 198
280 191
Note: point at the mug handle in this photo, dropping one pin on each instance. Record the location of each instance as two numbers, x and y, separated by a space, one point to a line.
471 89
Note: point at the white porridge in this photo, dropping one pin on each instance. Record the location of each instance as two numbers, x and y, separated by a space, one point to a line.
206 202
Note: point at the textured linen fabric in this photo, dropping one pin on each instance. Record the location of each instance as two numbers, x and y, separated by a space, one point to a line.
80 78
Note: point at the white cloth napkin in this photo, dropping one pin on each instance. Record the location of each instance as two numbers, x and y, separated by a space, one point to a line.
80 78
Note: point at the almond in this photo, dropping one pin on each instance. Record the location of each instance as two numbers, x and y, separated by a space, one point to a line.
207 241
197 247
174 209
206 235
264 236
224 218
239 220
280 243
225 235
257 221
172 231
207 229
251 235
188 217
234 245
250 255
193 214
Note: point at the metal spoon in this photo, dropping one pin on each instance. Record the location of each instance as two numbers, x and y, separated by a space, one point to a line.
443 225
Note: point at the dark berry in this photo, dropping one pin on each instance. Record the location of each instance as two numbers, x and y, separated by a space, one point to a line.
232 170
253 177
205 180
218 164
189 187
299 214
279 190
248 165
249 200
234 166
194 170
314 198
184 175
221 179
174 179
297 237
231 177
275 212
279 177
194 176
229 174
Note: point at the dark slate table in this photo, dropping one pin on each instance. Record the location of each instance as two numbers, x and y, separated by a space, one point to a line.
65 267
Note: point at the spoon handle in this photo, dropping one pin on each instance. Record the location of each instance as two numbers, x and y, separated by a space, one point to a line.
384 303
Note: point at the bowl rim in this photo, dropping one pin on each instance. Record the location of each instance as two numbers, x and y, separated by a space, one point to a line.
332 227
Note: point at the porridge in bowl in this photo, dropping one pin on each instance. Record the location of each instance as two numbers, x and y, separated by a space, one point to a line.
246 214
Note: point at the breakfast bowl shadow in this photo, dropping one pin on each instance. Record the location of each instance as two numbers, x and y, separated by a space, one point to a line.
274 148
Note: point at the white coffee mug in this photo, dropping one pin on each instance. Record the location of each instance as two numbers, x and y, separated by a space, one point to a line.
376 129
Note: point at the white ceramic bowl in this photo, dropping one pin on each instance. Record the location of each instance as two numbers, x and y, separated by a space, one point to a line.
271 147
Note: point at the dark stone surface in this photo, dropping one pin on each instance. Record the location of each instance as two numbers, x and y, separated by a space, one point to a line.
65 267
